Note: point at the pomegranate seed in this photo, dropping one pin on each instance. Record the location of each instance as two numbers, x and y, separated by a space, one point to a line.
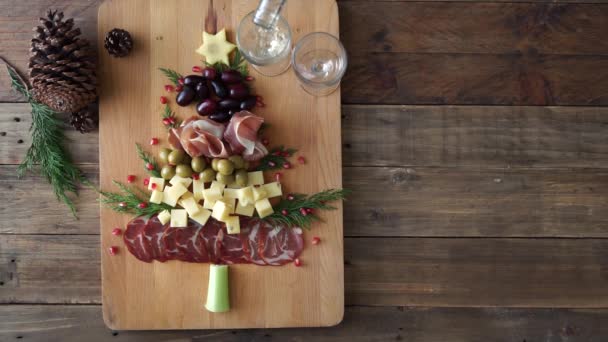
290 197
272 164
149 166
130 178
196 68
301 160
196 176
249 78
116 231
287 165
154 141
260 104
297 262
179 88
180 81
166 121
113 250
316 240
122 204
153 186
172 120
259 98
146 181
303 211
163 100
284 212
142 205
277 176
265 142
309 210
169 88
276 153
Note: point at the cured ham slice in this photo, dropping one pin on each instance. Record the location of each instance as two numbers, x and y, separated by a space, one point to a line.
135 241
242 135
190 244
200 137
153 234
278 245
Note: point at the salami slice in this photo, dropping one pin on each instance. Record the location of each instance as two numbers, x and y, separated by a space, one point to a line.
212 235
231 248
279 245
153 233
135 241
190 244
251 242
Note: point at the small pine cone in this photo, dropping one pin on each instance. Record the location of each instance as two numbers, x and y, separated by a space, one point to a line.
118 42
84 120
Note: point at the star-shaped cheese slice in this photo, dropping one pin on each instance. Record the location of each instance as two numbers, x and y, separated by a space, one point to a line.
215 47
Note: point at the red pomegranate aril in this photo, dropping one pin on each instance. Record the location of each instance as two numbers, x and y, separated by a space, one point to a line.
276 153
180 81
260 104
130 178
284 212
290 197
142 205
309 210
122 204
116 231
179 88
154 141
259 98
149 166
196 176
303 211
272 164
316 240
277 176
169 88
153 186
197 68
163 100
287 165
172 120
146 181
166 122
297 262
285 154
301 160
265 142
113 250
249 78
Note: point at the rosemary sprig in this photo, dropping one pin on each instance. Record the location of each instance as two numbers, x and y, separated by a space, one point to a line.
47 153
237 63
148 161
275 158
172 75
129 201
289 211
169 118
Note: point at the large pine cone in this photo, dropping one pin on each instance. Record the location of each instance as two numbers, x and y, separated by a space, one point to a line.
118 42
62 72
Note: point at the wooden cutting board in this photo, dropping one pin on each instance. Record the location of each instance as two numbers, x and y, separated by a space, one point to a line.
171 295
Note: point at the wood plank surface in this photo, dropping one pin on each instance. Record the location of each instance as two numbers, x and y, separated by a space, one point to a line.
64 323
262 296
378 271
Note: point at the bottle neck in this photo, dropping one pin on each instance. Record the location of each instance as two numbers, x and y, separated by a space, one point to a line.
267 13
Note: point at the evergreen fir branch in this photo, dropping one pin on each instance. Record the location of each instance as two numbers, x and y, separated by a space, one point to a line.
239 63
128 201
275 158
168 114
289 212
172 75
47 153
148 159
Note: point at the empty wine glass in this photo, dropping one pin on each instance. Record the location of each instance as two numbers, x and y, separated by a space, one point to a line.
319 60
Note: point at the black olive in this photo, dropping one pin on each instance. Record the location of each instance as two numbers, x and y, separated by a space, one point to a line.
248 103
206 107
220 116
202 91
229 104
238 91
219 89
193 80
231 76
185 97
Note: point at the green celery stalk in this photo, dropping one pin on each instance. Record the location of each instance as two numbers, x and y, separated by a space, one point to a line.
218 291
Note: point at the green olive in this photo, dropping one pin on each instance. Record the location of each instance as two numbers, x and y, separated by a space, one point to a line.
224 179
163 155
198 164
246 165
242 178
214 163
208 175
176 157
187 160
238 161
183 170
225 167
167 172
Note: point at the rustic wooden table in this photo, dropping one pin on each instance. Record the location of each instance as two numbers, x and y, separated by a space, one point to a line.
475 138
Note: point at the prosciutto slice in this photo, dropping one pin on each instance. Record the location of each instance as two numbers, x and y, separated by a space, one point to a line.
200 137
242 135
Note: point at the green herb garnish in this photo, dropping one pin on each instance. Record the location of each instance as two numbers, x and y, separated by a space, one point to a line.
290 212
169 118
130 200
237 63
148 161
172 75
275 158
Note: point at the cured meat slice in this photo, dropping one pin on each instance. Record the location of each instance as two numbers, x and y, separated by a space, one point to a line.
232 249
279 245
200 137
135 241
251 241
153 234
169 245
242 135
190 244
212 235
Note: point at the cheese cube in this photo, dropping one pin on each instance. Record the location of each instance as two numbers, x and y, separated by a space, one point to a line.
190 205
273 189
156 197
160 183
233 186
212 194
231 203
221 211
259 193
245 195
184 181
217 185
179 218
255 178
233 225
197 189
245 210
173 193
164 216
263 208
202 216
208 204
231 193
